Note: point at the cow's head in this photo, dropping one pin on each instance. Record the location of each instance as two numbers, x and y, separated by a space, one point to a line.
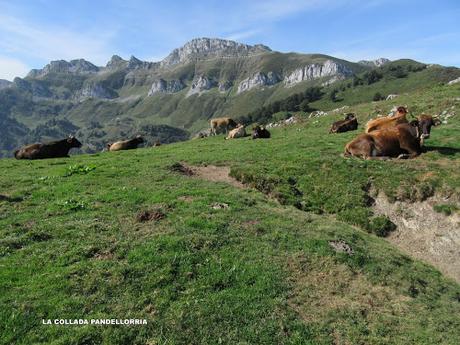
334 128
400 111
425 124
138 139
350 116
73 142
232 124
256 132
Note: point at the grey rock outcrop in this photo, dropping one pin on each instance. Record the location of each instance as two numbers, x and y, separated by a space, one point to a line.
455 81
199 85
224 86
328 68
5 83
206 48
94 90
116 62
78 66
163 86
135 63
258 79
374 63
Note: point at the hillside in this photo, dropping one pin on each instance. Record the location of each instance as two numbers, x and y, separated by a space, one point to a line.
289 251
173 99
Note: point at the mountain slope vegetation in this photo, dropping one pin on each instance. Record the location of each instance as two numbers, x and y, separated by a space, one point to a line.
173 99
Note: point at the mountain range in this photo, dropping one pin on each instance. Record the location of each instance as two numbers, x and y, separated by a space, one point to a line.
172 99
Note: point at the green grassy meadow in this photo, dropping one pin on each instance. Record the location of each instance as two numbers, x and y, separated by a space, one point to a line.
260 271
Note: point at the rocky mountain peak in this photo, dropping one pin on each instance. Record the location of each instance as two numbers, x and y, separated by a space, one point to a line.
5 83
205 48
77 66
135 63
375 63
115 62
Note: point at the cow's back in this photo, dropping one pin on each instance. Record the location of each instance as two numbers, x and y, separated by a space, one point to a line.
385 122
124 145
31 151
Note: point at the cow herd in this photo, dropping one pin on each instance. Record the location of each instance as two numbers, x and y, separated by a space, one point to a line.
385 137
392 136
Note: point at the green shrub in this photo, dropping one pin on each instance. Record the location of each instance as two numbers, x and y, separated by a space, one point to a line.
377 97
446 209
380 226
78 169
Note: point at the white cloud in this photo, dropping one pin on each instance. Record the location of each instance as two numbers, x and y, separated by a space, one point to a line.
237 36
50 43
11 68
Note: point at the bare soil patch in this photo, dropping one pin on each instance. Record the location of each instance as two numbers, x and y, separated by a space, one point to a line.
150 215
211 173
424 233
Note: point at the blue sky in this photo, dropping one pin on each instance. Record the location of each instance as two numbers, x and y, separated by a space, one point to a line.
32 33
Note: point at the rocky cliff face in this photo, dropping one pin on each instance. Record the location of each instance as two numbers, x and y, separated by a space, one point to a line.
314 71
135 63
4 84
258 79
94 90
207 48
116 62
200 84
163 86
225 85
374 63
79 66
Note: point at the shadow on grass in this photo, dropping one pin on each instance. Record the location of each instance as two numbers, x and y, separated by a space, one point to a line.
9 198
447 151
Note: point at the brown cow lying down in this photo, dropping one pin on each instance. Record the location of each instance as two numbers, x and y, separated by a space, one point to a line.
260 133
238 132
349 124
53 149
387 122
222 125
403 141
125 144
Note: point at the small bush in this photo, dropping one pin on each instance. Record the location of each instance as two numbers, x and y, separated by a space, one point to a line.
417 192
333 95
446 209
282 115
380 226
377 97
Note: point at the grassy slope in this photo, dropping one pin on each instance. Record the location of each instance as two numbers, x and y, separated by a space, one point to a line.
256 273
